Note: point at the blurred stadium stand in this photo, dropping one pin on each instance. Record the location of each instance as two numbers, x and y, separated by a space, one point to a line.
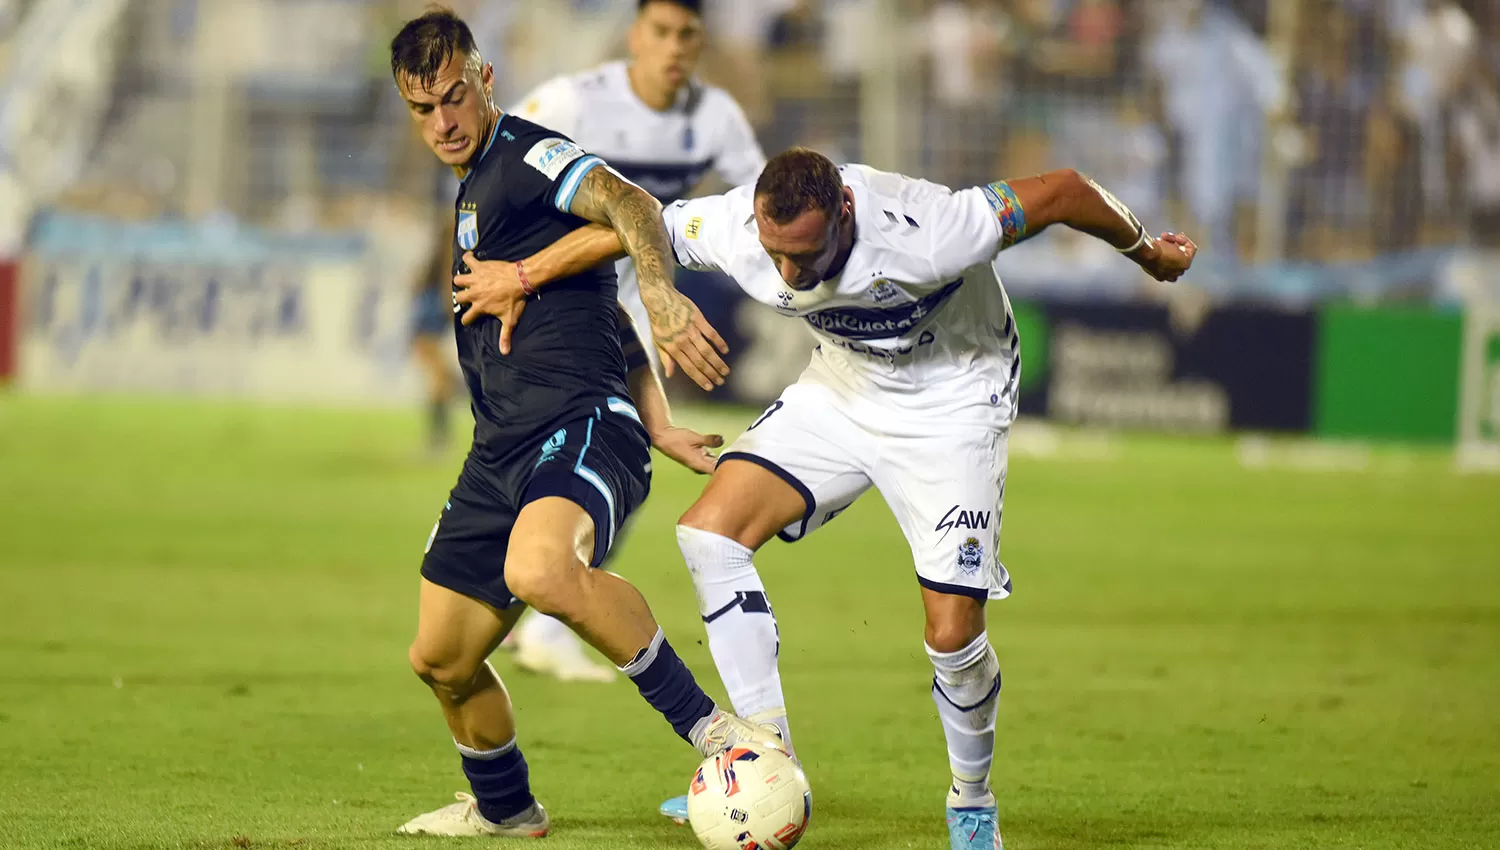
1320 150
1318 130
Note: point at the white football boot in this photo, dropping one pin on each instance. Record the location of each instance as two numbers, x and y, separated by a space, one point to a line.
724 731
546 650
567 664
462 819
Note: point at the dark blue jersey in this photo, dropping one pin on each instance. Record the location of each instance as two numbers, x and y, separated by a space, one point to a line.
565 359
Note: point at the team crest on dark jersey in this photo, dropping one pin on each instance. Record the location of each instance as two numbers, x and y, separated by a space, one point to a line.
468 227
970 555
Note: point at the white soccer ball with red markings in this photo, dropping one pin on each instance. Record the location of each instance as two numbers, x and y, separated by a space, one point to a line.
749 798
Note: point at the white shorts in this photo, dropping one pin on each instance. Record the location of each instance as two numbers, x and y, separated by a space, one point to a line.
946 487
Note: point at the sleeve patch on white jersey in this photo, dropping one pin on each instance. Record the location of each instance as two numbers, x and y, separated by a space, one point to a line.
552 156
693 226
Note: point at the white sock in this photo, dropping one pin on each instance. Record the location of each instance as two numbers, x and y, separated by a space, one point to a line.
540 630
966 689
742 632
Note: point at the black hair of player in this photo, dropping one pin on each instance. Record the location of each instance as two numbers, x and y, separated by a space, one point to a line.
694 6
422 47
797 180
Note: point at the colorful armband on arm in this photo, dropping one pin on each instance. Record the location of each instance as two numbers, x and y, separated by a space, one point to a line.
1002 199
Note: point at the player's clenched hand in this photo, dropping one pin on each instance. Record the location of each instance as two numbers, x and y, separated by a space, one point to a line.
689 448
491 288
1170 257
683 336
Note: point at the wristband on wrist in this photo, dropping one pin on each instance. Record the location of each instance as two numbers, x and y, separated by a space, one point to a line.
1144 238
526 286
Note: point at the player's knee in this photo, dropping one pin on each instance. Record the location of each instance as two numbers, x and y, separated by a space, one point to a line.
544 575
733 521
703 516
442 672
952 635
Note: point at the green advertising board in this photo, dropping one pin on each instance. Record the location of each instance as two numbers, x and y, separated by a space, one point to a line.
1389 373
1031 324
1488 408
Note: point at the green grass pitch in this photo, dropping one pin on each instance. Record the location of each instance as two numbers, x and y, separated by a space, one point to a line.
204 614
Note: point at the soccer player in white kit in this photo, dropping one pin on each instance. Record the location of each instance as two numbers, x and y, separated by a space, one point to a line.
664 131
912 390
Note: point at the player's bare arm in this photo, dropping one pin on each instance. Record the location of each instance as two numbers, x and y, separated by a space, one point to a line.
498 288
584 248
681 332
1028 206
683 445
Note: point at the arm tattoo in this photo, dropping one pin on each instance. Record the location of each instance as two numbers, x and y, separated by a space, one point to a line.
603 197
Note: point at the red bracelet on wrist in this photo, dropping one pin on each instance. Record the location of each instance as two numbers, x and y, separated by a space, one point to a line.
526 286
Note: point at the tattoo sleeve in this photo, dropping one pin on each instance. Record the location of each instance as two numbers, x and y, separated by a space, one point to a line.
606 198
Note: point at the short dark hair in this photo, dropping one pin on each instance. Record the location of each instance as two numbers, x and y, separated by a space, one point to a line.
694 6
425 44
797 180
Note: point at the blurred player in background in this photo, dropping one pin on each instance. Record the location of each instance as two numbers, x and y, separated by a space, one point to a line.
664 131
651 120
912 390
560 457
432 311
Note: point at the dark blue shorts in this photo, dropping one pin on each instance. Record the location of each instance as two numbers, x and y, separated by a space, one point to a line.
600 462
432 312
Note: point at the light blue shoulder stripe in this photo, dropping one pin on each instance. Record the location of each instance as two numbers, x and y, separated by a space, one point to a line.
570 184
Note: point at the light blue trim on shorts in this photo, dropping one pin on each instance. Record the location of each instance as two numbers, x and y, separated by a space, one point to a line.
593 478
624 408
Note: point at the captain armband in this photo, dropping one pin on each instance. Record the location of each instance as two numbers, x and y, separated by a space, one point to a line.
1002 199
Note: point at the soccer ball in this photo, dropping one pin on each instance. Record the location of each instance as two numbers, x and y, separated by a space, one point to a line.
749 798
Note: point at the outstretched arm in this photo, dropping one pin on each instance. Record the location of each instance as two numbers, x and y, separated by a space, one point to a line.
681 332
1028 206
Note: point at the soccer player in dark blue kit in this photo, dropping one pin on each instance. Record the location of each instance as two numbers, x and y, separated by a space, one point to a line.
560 457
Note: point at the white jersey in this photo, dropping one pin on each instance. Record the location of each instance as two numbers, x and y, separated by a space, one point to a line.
915 327
666 153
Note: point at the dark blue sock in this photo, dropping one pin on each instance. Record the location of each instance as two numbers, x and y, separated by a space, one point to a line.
501 782
669 686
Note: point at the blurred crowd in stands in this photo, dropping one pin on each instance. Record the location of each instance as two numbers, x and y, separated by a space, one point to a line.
1355 127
